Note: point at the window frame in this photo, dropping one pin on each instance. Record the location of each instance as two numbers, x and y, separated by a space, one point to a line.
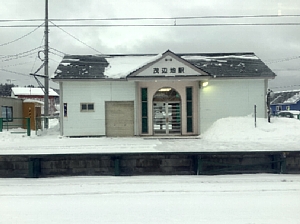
87 107
189 109
5 111
144 111
278 108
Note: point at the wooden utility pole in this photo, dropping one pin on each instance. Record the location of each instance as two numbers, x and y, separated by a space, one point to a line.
46 68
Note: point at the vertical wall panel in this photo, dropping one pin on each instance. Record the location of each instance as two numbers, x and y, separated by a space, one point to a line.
98 92
230 98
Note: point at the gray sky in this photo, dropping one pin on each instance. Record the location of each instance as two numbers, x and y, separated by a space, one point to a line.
275 45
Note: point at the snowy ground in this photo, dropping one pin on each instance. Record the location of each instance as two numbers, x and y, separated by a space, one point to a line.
228 134
234 199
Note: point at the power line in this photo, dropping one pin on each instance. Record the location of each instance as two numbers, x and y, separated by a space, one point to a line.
160 25
76 38
16 55
17 73
58 51
54 60
280 87
14 65
21 36
55 54
155 18
283 60
37 55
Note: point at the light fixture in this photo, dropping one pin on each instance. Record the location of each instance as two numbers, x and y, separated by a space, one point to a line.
164 89
204 84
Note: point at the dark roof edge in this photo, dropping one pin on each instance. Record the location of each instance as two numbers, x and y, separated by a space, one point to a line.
154 54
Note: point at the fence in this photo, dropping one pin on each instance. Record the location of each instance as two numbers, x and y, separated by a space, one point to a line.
8 125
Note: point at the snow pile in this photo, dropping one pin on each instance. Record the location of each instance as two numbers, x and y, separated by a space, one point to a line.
242 129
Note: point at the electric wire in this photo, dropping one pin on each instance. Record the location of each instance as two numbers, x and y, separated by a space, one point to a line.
282 60
155 18
37 55
18 73
10 42
56 54
58 51
16 55
14 65
76 38
159 25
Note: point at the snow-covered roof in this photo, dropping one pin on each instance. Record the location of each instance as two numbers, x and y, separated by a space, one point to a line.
27 91
33 101
285 97
120 66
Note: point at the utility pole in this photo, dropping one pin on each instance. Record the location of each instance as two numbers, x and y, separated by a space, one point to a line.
46 68
269 93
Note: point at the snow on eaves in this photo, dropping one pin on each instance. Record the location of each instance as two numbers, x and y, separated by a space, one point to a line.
121 66
19 91
294 99
218 58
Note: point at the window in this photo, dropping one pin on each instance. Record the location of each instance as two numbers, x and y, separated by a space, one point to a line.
65 109
7 113
189 109
278 108
144 98
86 107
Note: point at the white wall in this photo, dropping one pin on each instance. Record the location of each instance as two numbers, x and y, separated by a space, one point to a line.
91 123
230 98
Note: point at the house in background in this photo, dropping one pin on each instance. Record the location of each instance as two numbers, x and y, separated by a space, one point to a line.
285 100
11 108
36 96
158 95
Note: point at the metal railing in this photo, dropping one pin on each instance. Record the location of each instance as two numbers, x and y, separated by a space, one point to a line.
8 125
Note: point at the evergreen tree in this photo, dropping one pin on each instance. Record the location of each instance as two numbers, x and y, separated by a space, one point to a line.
5 89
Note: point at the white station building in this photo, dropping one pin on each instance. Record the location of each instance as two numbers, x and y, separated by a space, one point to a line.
155 95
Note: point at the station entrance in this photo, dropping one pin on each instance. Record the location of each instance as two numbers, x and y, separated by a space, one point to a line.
167 112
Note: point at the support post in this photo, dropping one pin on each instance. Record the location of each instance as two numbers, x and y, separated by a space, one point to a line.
199 166
28 126
1 124
46 68
283 163
117 166
269 92
34 167
254 115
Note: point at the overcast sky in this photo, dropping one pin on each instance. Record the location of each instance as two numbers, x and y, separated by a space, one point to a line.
275 45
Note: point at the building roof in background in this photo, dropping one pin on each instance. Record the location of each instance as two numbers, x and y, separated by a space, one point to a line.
27 91
285 97
242 65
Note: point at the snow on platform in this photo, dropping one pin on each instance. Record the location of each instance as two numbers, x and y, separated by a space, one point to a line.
226 135
234 199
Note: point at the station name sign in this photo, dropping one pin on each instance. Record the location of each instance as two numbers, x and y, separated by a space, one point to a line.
171 70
